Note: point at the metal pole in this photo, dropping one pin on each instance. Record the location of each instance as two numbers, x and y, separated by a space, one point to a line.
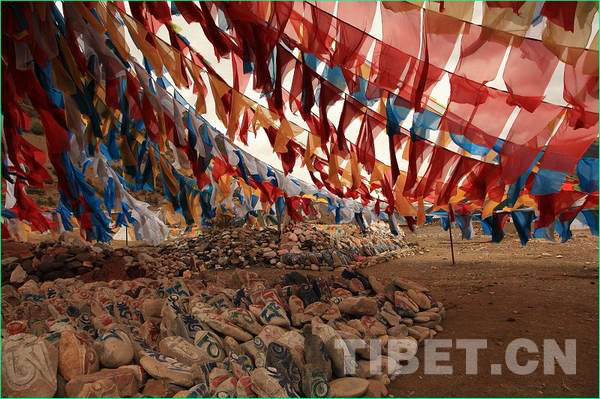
451 243
126 237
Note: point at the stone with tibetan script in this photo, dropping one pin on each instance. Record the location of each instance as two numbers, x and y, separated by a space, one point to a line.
182 350
266 385
210 345
315 382
272 313
257 351
243 319
288 373
228 329
160 366
116 349
76 356
29 367
127 379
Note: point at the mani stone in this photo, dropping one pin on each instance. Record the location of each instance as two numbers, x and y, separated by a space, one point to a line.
266 385
348 387
102 388
116 349
228 329
126 379
182 350
160 366
29 367
272 313
76 356
210 345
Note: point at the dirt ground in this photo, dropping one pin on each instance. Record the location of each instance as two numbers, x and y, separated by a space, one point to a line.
501 292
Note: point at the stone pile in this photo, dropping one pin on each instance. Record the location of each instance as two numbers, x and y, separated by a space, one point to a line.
301 246
183 337
50 260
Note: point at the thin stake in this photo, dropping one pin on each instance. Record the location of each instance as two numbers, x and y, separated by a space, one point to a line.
126 237
451 243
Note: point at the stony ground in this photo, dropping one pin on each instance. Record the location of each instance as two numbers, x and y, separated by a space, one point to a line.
501 292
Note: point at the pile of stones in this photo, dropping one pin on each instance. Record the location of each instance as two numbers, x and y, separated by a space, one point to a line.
299 246
50 260
191 337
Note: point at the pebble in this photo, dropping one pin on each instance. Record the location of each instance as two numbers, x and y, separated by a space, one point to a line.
29 367
76 356
167 368
18 275
234 335
127 380
115 349
349 387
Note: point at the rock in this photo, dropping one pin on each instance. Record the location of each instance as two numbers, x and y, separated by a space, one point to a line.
210 345
244 319
316 308
115 348
18 275
266 385
157 389
228 329
183 351
151 308
335 347
297 310
358 306
29 367
231 346
348 387
376 285
76 356
272 313
160 366
373 368
406 284
279 357
332 313
102 388
126 380
419 298
256 350
404 305
376 389
243 388
400 330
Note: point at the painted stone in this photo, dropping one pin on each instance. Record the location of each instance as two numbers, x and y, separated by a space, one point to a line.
76 356
29 367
